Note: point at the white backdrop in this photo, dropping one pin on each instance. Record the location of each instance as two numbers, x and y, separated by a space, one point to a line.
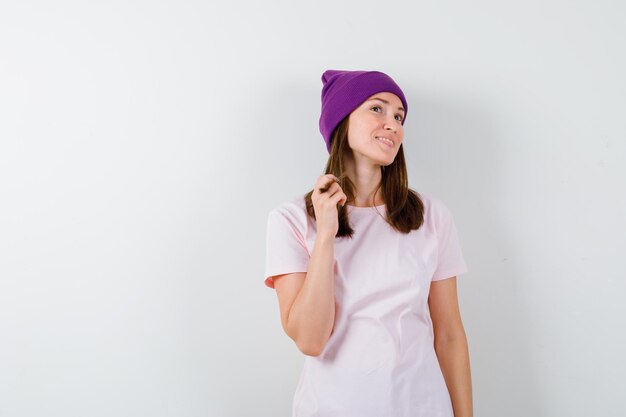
143 144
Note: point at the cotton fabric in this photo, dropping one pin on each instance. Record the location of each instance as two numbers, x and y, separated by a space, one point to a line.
380 358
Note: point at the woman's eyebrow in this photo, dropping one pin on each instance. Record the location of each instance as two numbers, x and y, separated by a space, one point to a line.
386 102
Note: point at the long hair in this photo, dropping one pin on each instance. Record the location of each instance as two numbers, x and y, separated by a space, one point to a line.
405 209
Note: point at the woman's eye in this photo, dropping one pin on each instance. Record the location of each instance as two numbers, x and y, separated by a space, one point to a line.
399 115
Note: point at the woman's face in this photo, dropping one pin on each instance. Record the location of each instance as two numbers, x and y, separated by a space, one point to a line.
375 129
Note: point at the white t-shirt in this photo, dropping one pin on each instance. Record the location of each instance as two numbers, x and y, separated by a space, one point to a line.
380 359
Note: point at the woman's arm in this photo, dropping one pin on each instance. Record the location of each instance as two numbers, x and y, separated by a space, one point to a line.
451 344
307 301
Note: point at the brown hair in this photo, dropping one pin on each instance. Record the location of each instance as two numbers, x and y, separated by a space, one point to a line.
405 208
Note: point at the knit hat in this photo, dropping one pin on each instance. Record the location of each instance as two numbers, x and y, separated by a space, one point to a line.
344 91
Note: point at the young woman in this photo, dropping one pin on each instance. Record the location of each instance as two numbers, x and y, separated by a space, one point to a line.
365 270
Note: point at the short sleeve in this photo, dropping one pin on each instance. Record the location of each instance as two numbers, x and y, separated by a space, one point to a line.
286 250
450 260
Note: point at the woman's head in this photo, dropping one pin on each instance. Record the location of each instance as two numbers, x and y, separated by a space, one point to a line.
345 91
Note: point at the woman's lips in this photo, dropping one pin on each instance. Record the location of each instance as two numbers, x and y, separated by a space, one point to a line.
386 142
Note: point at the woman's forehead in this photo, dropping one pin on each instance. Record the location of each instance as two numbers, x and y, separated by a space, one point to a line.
387 98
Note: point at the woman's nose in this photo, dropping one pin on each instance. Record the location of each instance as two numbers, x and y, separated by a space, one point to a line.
390 126
391 123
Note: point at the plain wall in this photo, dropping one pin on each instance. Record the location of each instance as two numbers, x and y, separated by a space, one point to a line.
142 145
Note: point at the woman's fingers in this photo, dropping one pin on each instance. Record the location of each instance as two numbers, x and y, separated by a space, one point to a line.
327 188
325 182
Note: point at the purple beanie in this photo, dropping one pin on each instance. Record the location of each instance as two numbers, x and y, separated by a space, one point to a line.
344 91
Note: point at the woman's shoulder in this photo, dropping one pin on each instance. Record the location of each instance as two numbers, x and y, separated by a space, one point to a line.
294 206
292 210
434 207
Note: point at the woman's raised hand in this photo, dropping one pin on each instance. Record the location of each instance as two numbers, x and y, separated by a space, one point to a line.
327 194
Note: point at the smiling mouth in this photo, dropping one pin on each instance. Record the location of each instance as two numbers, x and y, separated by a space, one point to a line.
385 141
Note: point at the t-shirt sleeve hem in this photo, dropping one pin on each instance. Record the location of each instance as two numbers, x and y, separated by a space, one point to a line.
269 276
448 274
